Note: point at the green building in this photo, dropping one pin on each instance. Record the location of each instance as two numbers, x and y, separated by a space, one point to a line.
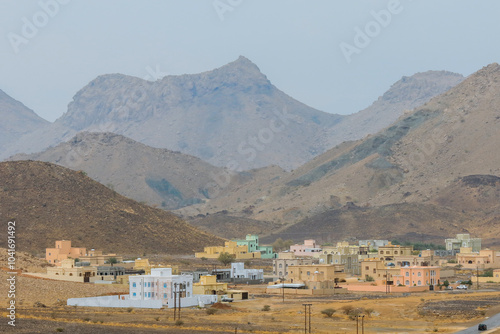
252 242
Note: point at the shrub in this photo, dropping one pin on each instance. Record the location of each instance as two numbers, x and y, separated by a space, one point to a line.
328 312
266 308
369 278
225 258
59 329
179 322
211 311
347 309
369 311
130 309
157 318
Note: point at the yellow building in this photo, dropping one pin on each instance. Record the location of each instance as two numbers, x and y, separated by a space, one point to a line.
208 285
240 252
143 264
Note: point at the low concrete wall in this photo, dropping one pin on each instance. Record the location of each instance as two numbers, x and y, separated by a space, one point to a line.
485 279
382 288
310 292
114 301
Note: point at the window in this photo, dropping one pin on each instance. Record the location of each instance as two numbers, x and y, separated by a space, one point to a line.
134 285
367 268
134 294
308 273
280 266
419 274
164 285
419 283
164 295
407 282
407 274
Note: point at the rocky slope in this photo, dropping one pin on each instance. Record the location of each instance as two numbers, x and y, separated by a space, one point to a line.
404 95
16 120
160 177
50 202
453 135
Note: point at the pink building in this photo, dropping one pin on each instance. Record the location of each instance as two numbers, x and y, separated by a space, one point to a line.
309 248
417 276
63 251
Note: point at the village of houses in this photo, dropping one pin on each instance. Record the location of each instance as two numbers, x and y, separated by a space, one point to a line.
303 269
258 276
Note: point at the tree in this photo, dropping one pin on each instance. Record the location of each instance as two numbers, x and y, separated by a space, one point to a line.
328 312
281 244
112 260
226 258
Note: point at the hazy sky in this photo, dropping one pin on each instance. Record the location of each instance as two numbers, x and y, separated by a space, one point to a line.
336 56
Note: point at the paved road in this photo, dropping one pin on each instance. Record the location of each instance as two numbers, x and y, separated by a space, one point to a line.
492 323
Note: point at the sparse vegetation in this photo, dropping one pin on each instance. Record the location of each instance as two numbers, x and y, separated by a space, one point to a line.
225 258
179 322
211 311
329 312
281 245
266 308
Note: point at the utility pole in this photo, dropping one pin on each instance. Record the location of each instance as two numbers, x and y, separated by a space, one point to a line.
180 293
305 317
477 276
282 279
310 318
175 300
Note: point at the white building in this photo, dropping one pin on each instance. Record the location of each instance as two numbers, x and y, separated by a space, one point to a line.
463 240
238 271
152 291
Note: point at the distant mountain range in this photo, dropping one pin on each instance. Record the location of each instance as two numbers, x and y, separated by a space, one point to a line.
426 158
230 117
419 164
16 120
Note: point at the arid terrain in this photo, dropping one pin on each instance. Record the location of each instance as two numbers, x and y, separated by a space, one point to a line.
41 308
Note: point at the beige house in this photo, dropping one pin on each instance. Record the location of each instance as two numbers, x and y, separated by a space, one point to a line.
390 251
96 258
317 276
281 265
67 271
377 269
484 259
